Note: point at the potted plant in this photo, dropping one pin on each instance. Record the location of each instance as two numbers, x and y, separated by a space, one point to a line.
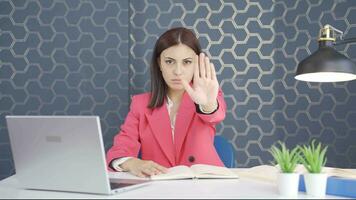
314 159
287 179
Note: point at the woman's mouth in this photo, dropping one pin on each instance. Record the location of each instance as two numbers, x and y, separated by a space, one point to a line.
176 81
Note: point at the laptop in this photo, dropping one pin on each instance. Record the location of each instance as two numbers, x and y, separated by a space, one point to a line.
62 153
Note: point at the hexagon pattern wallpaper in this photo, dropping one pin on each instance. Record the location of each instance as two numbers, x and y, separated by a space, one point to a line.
87 57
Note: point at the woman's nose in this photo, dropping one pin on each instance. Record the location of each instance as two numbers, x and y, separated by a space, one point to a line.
178 70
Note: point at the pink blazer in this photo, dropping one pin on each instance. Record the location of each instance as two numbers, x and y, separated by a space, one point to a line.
150 131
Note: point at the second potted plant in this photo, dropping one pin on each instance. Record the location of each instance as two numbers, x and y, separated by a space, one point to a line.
287 180
314 159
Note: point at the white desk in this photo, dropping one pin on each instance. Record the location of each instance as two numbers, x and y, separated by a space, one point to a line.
212 189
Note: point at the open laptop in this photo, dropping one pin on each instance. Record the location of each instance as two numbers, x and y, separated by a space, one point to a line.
62 153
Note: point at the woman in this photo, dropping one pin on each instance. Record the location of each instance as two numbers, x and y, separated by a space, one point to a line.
174 124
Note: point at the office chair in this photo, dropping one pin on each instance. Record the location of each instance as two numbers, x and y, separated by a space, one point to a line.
225 151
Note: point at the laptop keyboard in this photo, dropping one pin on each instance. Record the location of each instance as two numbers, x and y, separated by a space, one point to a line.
121 183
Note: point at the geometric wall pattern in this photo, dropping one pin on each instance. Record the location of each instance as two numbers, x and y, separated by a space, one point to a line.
87 58
63 58
256 47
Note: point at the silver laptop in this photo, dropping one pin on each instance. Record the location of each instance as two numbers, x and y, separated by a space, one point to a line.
62 153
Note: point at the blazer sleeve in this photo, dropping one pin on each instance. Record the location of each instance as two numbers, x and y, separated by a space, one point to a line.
219 114
126 142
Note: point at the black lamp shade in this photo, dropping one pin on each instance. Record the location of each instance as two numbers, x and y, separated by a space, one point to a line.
326 65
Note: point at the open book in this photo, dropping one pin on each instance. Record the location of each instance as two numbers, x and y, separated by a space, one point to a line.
269 173
196 171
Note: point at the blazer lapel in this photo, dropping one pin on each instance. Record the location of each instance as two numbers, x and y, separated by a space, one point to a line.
184 117
161 127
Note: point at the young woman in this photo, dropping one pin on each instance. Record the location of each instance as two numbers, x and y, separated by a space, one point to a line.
174 124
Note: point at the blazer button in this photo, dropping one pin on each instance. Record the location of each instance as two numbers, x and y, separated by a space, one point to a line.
191 159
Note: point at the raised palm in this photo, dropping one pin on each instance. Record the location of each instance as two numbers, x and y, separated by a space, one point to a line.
205 87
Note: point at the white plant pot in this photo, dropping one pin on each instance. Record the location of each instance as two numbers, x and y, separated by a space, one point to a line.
315 184
288 184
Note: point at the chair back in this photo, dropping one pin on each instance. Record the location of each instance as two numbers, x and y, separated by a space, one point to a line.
225 151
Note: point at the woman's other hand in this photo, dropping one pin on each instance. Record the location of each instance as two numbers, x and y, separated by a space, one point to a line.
143 168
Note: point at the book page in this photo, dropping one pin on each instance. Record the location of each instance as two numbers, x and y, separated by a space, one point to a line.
266 173
210 171
177 172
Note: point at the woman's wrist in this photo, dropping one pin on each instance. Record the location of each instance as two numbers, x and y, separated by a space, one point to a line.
125 166
210 107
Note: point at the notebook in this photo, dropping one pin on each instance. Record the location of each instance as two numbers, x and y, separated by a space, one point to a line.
336 186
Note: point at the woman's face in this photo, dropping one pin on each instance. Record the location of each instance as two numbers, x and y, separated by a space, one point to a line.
176 64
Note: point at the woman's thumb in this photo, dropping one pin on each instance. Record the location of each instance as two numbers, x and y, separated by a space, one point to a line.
187 87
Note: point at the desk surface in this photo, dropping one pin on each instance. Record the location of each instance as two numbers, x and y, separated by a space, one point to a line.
192 188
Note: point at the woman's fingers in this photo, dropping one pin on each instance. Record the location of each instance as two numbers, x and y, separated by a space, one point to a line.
196 67
207 68
151 168
202 65
148 171
187 87
160 168
156 171
213 72
145 168
140 174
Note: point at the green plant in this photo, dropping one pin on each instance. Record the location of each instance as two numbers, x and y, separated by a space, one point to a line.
286 159
313 157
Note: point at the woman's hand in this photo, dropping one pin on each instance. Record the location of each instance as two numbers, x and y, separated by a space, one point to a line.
142 168
205 84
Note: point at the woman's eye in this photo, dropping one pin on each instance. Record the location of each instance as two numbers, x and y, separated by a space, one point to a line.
169 61
187 62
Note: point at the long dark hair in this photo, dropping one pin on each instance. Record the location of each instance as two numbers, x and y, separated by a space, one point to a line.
170 38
